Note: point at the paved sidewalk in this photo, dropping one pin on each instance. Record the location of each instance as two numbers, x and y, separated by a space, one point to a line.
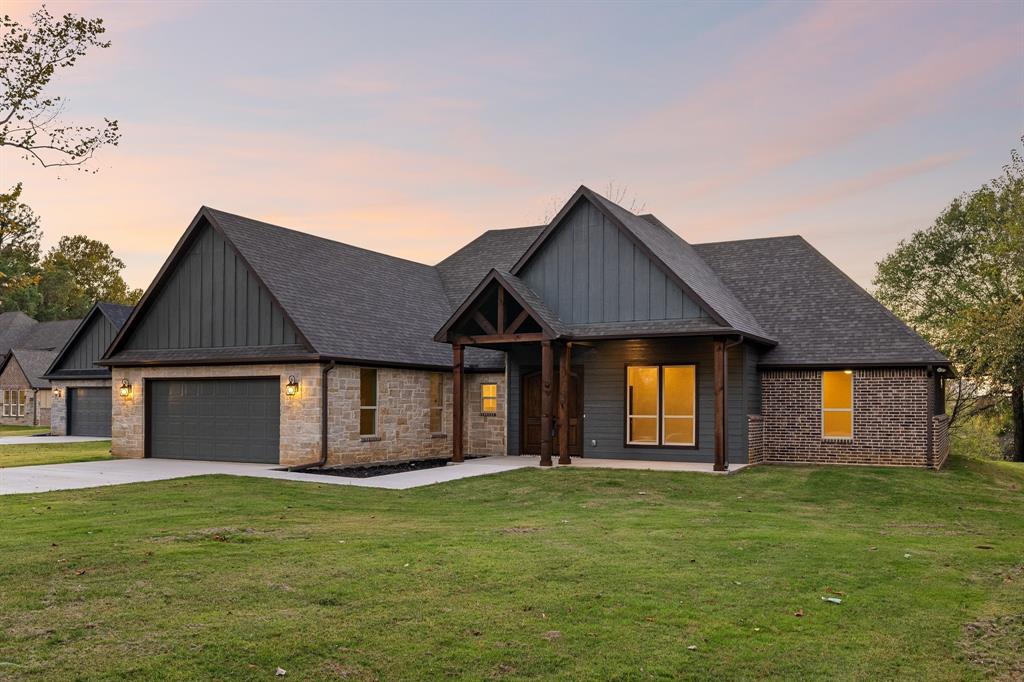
49 477
46 440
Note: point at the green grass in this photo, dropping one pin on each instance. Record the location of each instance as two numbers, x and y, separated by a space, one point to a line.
53 453
565 574
23 430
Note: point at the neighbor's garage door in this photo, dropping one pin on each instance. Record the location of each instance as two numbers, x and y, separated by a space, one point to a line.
234 420
89 412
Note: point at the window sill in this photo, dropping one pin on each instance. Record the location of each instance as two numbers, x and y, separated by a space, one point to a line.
488 414
841 439
369 439
438 434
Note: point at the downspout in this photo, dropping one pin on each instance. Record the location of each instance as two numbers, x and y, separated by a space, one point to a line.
323 421
725 395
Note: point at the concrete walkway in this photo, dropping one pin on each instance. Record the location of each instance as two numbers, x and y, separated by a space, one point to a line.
49 477
47 440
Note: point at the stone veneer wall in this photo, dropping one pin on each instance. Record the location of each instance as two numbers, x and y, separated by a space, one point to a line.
403 417
755 439
403 427
59 406
14 378
890 417
300 414
485 432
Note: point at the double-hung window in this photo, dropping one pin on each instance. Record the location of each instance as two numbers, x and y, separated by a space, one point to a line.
837 404
436 403
367 402
661 405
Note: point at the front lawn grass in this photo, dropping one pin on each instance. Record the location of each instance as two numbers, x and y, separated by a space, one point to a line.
566 574
53 453
23 430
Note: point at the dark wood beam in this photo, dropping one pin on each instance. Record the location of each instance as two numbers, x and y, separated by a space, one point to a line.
546 372
484 323
501 310
516 323
457 408
498 338
720 414
564 371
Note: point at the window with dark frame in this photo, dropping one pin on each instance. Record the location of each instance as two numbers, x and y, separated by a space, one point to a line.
367 402
837 404
661 405
436 402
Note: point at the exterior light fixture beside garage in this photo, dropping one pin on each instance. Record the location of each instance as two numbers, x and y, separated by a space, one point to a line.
126 389
57 393
292 387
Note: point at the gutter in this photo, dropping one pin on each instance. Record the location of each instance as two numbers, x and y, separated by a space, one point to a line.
929 414
323 422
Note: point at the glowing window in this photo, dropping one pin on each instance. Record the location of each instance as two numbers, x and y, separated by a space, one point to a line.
679 395
837 404
642 403
489 398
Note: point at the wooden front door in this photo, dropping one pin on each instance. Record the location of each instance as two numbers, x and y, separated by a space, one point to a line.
530 413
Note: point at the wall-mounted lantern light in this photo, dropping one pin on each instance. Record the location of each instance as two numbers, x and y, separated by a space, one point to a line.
57 393
292 387
126 389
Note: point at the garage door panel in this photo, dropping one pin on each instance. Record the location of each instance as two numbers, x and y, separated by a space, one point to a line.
88 411
230 419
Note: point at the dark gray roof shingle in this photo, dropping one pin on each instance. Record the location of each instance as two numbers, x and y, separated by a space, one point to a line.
49 335
13 326
34 363
495 249
349 303
117 314
818 314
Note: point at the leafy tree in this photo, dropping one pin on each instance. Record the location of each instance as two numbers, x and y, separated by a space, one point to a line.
77 272
19 254
30 118
961 284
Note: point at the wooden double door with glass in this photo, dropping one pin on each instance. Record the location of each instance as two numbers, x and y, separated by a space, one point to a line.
530 412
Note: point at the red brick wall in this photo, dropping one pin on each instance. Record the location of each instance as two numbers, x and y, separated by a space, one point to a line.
890 419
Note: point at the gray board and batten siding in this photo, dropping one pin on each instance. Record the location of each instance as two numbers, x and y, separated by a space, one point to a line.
88 346
211 300
588 270
604 395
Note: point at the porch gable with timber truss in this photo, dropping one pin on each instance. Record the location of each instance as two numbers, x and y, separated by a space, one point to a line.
502 309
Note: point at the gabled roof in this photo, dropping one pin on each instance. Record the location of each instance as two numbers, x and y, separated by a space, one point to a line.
347 303
521 292
117 315
46 335
670 252
819 315
493 250
33 363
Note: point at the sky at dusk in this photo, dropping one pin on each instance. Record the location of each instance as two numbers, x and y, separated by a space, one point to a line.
411 128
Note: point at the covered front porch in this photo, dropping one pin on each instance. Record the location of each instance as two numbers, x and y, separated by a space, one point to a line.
675 392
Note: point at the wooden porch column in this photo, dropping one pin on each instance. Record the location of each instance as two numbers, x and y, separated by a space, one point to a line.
564 369
721 458
457 409
546 372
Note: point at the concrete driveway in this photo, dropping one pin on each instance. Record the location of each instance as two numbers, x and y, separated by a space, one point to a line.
49 477
46 440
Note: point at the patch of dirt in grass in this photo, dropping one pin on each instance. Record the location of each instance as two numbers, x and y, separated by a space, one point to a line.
996 646
214 535
341 671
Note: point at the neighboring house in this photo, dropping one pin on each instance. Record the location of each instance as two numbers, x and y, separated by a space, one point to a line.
603 334
82 391
27 348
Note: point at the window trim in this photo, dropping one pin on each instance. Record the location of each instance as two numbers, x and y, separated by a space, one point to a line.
374 407
822 409
483 398
660 445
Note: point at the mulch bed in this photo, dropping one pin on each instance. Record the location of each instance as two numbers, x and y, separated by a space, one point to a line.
372 470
